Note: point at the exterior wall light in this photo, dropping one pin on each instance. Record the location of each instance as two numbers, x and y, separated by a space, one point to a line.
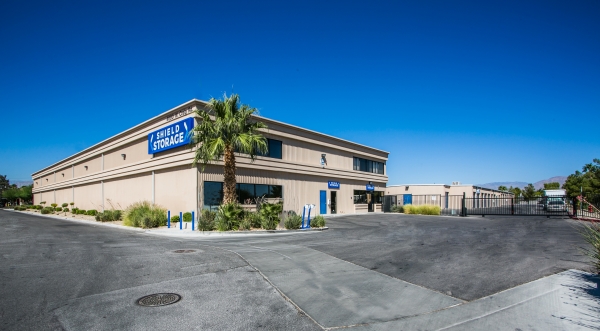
323 160
123 156
63 174
85 167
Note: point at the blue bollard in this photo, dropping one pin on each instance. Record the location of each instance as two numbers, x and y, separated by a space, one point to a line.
303 216
168 219
308 221
192 220
180 221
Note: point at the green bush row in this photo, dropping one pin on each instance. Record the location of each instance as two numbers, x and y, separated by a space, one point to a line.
109 216
422 210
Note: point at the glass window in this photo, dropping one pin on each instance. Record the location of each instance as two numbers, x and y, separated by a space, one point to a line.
213 195
274 148
361 196
262 190
245 193
275 191
368 166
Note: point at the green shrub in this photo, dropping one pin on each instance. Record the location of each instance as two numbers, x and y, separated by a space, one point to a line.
58 208
53 205
145 214
269 213
74 210
175 219
317 222
245 224
65 209
43 203
108 216
187 217
254 218
47 210
293 222
397 209
71 203
206 221
81 211
228 217
422 210
91 212
64 205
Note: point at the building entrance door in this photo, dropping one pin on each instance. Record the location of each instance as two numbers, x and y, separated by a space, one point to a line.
333 202
370 202
323 202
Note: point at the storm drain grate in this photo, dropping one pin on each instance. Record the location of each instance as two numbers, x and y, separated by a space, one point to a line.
184 251
159 299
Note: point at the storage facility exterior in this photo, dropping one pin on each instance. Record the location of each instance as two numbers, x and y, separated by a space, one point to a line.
301 167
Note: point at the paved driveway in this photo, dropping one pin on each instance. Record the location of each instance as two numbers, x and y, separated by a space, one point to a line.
63 275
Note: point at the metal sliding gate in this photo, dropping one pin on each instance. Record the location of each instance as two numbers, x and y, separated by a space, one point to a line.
538 206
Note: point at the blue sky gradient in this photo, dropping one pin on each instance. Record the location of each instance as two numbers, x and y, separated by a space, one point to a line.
466 91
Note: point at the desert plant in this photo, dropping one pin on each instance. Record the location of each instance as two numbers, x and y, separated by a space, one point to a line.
53 205
175 219
187 217
43 203
591 234
81 211
47 210
269 213
91 212
245 224
65 209
108 216
58 208
206 221
74 211
72 203
317 222
422 210
293 222
228 217
64 205
145 214
254 218
397 209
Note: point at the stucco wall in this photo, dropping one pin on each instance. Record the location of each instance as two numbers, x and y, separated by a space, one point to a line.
122 192
88 196
175 189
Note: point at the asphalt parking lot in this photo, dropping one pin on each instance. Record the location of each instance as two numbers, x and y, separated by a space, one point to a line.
62 275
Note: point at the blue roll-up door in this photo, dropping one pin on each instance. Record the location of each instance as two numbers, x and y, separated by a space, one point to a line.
323 204
407 199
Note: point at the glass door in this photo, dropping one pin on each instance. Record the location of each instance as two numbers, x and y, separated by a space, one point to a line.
333 202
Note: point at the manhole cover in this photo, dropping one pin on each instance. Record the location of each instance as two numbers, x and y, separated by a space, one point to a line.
158 299
184 251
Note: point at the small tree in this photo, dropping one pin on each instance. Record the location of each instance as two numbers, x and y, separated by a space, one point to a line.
552 186
502 188
529 192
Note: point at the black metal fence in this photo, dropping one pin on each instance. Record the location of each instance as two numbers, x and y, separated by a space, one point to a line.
520 206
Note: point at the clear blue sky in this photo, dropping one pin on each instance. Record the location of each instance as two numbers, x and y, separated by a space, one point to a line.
474 91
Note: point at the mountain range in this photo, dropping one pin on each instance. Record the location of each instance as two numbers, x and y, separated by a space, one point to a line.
537 185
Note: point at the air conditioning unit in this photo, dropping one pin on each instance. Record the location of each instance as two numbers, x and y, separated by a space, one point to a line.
455 183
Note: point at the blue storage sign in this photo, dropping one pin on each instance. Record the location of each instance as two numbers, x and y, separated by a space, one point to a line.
370 187
333 185
171 136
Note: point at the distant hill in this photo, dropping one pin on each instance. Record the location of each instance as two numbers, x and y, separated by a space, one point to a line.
20 183
537 185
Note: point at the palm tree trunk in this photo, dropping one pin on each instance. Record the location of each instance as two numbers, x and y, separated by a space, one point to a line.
229 192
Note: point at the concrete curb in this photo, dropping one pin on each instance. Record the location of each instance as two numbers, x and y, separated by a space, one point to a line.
175 232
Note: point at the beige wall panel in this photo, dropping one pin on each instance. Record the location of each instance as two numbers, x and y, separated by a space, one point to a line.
124 191
94 165
88 196
175 189
64 195
37 198
48 179
134 152
306 153
64 174
417 190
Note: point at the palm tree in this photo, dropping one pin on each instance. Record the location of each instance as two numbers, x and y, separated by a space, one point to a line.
226 127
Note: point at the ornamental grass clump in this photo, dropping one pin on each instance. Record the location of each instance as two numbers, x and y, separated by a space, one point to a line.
591 234
109 216
254 218
144 214
293 222
422 210
317 222
206 221
397 209
187 217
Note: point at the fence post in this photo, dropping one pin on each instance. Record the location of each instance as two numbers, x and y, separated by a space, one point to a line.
464 207
193 220
512 206
168 219
574 208
180 221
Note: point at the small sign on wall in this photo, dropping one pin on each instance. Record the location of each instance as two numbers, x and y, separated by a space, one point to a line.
333 185
370 187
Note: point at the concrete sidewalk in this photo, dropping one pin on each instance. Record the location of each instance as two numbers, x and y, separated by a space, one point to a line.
339 294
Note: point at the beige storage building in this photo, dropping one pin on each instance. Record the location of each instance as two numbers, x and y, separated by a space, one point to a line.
302 167
447 197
